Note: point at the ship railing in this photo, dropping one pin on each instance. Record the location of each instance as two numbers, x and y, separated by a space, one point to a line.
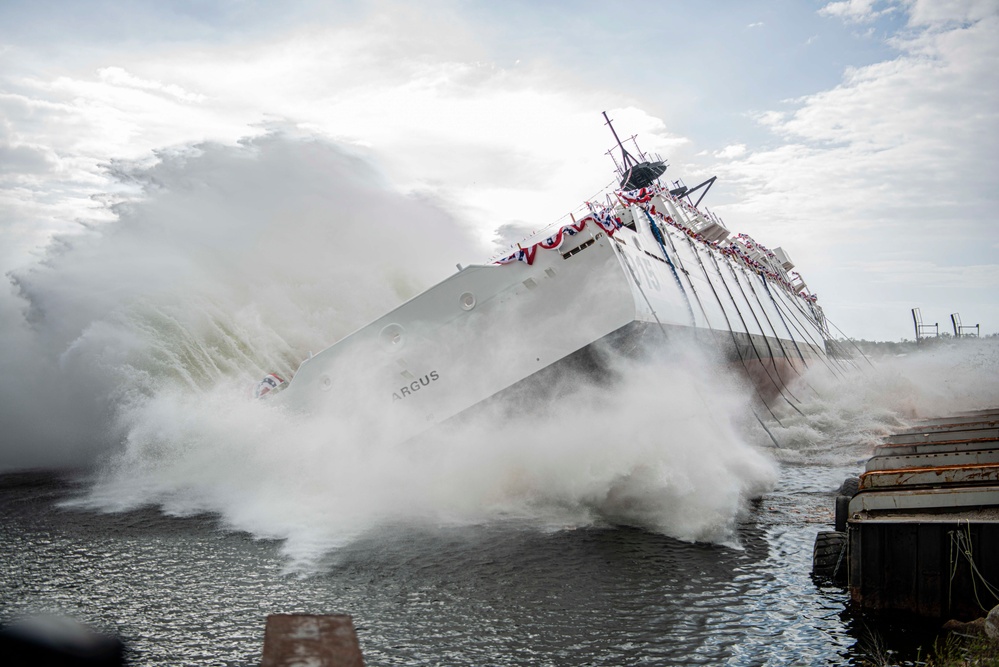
711 227
749 250
704 223
820 318
783 259
783 274
774 263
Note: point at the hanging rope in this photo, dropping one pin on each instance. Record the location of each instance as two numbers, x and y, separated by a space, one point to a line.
804 333
735 341
866 358
642 292
657 232
781 316
745 327
662 328
662 246
960 545
770 323
766 339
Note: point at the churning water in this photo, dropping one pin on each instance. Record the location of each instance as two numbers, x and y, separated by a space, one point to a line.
647 521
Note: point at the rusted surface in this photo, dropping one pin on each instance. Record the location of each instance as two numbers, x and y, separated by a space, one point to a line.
960 516
923 530
947 435
933 458
948 425
949 441
935 447
991 415
927 500
931 569
302 640
930 476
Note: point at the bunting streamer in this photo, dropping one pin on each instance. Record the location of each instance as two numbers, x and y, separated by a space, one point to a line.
604 218
637 196
554 241
754 245
609 222
522 255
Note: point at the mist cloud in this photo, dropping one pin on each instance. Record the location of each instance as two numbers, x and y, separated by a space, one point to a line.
232 259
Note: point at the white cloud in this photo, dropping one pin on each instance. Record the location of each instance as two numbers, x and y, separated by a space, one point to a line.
411 88
949 12
117 76
890 173
732 151
899 146
856 11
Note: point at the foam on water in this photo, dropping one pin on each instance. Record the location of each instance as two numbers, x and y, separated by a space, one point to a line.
844 415
594 455
137 340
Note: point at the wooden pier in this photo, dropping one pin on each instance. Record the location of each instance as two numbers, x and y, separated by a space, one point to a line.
922 528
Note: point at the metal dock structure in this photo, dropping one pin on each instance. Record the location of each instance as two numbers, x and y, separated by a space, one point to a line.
922 529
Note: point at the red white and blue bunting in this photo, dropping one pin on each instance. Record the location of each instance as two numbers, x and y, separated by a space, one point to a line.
603 218
642 196
555 240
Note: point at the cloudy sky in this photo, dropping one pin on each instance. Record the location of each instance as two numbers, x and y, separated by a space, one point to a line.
860 135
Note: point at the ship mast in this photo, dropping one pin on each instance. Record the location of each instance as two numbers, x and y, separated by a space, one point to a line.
634 174
626 158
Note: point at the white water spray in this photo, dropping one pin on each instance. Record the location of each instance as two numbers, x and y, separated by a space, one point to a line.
139 337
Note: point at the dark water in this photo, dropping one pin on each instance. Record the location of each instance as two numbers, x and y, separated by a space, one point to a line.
184 591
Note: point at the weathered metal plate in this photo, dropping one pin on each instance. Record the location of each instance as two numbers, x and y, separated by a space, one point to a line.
931 569
943 425
927 500
964 515
930 476
944 436
986 411
935 447
973 457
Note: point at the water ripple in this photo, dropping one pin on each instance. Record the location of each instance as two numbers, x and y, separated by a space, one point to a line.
185 591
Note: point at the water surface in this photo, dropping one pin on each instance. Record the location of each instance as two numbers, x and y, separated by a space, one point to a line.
186 591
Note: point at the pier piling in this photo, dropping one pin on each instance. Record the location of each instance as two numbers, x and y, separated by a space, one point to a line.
292 640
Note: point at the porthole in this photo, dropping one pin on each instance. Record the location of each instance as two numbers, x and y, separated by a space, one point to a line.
467 301
392 335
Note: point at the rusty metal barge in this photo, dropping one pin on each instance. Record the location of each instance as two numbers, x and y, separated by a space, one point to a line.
919 530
